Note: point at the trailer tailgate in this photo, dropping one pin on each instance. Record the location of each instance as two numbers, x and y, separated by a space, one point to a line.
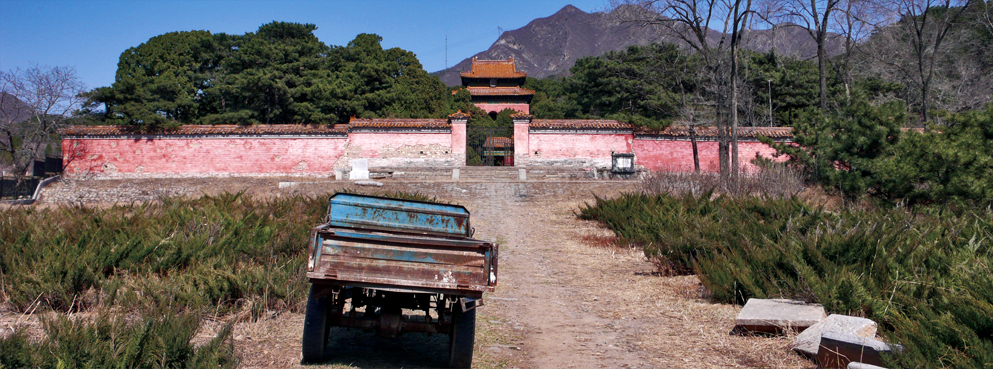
388 260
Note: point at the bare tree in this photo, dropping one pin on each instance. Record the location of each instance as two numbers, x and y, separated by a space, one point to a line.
814 16
986 18
689 21
34 104
853 20
924 24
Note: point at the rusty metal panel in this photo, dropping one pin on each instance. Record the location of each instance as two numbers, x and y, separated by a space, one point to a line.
348 255
378 213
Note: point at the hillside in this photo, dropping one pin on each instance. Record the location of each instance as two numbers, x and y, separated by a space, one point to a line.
551 45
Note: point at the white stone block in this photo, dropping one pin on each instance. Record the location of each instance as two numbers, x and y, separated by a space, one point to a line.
360 169
777 315
837 350
807 342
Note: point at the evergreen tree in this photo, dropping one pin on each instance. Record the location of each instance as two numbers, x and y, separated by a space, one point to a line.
159 82
636 85
372 82
279 74
844 150
950 165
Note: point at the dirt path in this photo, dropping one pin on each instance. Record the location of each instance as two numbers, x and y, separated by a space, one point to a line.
567 297
537 289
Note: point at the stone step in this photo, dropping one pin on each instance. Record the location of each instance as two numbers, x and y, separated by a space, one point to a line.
474 173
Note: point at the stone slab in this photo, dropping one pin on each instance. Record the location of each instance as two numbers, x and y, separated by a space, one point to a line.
777 316
808 341
455 174
360 169
522 174
854 365
369 183
837 350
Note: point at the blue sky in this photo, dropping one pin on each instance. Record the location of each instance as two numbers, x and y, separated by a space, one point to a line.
91 34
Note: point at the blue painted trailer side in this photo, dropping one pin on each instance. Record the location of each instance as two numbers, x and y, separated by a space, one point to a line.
377 213
378 242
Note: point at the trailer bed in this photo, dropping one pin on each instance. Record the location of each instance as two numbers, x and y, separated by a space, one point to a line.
401 261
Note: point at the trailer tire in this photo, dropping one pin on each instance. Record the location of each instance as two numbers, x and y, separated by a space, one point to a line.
316 328
462 338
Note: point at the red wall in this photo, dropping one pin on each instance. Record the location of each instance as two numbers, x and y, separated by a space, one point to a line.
220 155
386 149
115 156
676 156
458 142
593 149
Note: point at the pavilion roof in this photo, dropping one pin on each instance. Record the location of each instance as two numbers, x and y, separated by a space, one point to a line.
493 69
500 91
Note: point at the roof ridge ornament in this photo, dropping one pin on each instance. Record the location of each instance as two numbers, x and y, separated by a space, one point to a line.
459 115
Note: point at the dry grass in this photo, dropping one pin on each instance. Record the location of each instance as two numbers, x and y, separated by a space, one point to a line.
670 318
627 308
771 180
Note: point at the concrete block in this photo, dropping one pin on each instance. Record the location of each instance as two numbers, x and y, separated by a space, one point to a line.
837 350
854 365
808 341
777 316
360 169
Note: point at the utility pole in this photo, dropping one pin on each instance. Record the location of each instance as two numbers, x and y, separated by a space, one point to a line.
770 102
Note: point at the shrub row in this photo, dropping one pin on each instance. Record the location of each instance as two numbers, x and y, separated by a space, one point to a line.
212 252
215 253
158 339
151 271
926 277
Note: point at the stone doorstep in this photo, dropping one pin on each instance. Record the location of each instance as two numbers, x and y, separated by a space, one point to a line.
777 316
808 341
837 350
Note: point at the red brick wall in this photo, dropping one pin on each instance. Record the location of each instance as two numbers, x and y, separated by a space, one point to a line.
671 155
458 141
393 149
158 156
576 148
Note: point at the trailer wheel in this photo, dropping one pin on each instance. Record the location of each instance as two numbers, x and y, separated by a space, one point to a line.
462 338
315 328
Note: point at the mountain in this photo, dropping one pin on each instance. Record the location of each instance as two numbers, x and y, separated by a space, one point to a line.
13 110
551 45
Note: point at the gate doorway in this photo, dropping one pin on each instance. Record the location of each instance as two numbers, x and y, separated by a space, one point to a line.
492 147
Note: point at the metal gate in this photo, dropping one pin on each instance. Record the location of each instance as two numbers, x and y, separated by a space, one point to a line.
487 146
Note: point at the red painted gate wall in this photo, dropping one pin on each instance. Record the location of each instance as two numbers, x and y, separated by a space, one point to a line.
109 151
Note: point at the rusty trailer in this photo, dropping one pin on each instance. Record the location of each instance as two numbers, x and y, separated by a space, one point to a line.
393 266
